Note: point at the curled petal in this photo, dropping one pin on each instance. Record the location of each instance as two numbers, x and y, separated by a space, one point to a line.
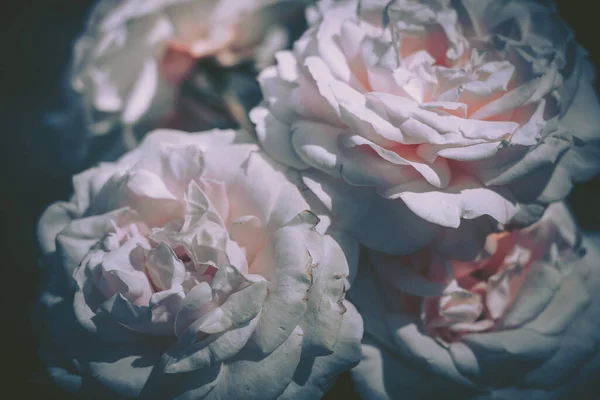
297 246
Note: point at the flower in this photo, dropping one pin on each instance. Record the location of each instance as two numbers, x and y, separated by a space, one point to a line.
193 267
420 116
519 323
133 56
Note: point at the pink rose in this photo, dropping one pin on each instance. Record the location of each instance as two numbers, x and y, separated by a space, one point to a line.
133 55
417 117
192 268
518 323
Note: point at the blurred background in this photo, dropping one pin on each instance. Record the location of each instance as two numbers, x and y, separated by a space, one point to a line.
35 42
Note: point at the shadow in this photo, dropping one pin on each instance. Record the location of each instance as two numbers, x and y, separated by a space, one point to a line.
36 41
343 389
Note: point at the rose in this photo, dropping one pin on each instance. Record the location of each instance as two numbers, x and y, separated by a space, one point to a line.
422 116
133 55
193 268
519 323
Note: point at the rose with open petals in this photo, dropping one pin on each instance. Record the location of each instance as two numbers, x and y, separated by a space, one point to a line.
194 268
433 115
129 63
521 322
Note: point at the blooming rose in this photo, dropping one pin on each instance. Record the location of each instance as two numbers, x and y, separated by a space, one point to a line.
519 323
194 268
133 55
413 118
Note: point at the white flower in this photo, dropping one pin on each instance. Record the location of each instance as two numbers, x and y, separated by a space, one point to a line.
519 323
194 268
133 55
413 118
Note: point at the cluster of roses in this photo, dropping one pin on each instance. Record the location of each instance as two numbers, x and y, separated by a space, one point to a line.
390 206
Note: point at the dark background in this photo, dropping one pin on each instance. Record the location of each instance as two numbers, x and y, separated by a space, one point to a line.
35 40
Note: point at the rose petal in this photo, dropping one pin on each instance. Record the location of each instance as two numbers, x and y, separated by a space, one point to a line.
164 268
296 246
372 222
380 375
249 234
183 357
275 137
314 376
463 198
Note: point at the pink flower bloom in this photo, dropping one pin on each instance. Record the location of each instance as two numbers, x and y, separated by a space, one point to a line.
518 323
419 118
193 267
128 65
